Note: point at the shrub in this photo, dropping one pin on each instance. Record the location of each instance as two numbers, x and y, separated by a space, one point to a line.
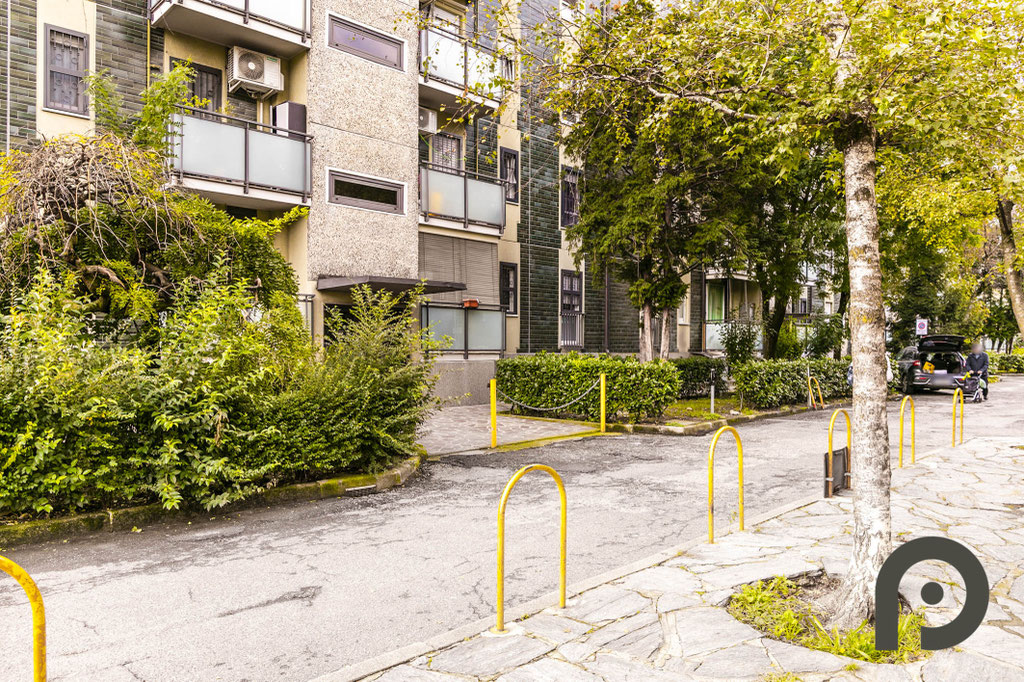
219 401
789 346
771 383
1007 362
739 339
695 375
636 390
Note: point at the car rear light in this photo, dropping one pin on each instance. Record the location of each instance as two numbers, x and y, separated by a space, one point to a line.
917 363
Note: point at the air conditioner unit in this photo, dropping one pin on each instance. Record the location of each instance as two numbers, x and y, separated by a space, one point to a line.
428 120
254 72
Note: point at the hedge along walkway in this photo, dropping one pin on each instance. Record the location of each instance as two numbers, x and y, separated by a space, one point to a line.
666 620
129 518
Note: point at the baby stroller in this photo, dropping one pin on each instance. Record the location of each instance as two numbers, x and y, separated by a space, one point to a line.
972 388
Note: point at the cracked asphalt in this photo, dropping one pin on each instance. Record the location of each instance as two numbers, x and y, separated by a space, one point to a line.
296 591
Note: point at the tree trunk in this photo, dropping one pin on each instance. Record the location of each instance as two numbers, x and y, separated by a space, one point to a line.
1014 280
773 326
844 302
872 530
646 337
666 340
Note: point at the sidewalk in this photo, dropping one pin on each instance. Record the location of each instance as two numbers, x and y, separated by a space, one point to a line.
466 428
667 621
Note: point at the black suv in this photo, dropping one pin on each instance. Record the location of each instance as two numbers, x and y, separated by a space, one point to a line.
936 362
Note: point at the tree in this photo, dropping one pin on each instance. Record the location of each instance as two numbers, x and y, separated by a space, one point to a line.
867 74
102 207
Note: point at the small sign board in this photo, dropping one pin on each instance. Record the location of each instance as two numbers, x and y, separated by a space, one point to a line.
840 480
922 327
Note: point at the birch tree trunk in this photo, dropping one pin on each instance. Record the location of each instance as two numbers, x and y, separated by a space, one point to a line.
1014 279
666 340
646 338
872 539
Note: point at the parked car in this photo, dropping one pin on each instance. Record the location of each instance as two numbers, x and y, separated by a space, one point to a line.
935 363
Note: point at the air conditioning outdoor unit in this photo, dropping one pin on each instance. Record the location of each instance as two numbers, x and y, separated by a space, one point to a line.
254 72
428 120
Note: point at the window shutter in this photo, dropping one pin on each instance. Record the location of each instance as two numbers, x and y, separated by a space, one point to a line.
481 263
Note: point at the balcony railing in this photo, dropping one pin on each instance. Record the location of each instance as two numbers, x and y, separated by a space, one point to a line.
472 330
281 27
454 61
244 154
714 335
572 330
468 198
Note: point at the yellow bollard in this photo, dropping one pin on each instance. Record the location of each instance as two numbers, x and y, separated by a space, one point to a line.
960 393
913 430
38 615
821 401
500 625
849 448
604 398
494 413
711 478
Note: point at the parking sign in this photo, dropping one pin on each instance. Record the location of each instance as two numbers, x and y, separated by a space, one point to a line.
922 327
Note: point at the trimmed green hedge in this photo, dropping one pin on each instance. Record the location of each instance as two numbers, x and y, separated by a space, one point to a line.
1009 363
771 383
636 390
695 376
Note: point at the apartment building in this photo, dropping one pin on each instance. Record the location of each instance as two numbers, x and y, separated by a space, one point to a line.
357 110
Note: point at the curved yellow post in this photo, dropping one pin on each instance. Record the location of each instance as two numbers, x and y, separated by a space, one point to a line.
500 625
849 447
913 430
960 393
821 401
711 478
38 615
494 413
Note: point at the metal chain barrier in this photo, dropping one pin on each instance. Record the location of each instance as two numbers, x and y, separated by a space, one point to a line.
575 400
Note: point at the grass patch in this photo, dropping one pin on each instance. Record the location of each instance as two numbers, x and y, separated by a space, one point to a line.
699 409
779 608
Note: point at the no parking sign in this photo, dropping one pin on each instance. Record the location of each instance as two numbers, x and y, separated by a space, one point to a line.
922 327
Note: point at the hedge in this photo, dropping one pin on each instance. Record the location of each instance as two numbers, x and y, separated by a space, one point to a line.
1009 363
636 390
771 383
695 376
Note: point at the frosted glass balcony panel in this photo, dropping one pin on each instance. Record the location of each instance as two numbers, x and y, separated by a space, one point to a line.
485 329
278 161
210 149
486 202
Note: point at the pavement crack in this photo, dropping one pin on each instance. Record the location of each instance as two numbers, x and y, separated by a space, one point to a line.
304 594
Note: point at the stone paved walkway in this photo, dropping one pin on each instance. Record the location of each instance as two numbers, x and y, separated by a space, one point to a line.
464 428
666 621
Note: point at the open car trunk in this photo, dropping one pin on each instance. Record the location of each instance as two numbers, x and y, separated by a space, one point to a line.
941 343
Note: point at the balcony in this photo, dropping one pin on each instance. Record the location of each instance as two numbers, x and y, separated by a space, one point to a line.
572 331
277 27
452 68
240 163
455 198
471 330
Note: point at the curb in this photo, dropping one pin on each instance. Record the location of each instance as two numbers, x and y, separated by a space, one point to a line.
702 428
132 517
358 671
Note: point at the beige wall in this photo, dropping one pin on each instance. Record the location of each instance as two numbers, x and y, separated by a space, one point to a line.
75 15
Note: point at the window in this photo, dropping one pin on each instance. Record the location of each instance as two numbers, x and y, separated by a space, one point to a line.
205 85
570 197
360 192
510 174
508 288
365 43
447 151
572 292
67 61
716 302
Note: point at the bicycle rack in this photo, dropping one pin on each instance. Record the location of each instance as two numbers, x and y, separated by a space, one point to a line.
500 624
711 478
849 450
38 616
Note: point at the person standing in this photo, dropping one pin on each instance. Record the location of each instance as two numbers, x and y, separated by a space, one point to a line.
977 364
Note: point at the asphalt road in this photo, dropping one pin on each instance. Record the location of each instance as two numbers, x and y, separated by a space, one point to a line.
296 591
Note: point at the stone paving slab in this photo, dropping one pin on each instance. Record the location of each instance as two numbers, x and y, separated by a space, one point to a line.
666 621
464 428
